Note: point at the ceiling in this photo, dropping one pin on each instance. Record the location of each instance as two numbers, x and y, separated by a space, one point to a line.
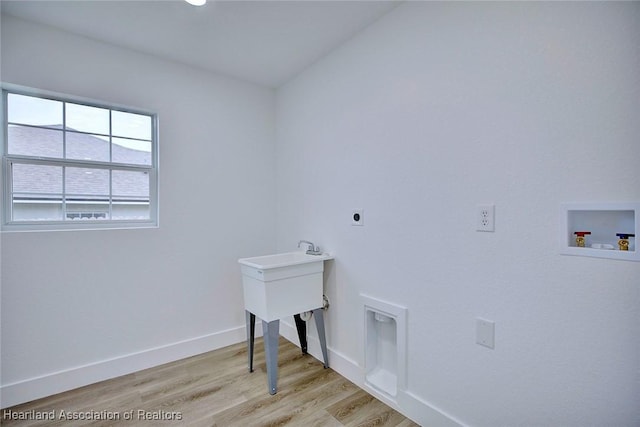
265 42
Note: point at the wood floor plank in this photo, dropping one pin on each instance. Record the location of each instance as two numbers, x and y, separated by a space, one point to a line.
217 389
363 410
320 418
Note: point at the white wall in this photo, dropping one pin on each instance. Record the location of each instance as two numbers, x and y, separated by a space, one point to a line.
442 106
2 131
434 109
82 306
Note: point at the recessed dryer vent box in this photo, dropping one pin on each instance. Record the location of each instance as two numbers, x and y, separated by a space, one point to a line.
601 223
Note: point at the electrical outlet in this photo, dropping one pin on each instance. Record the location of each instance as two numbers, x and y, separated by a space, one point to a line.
486 217
357 217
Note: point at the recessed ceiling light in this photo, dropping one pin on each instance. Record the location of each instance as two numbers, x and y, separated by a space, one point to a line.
196 2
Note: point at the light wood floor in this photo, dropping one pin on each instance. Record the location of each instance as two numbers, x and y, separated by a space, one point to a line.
216 389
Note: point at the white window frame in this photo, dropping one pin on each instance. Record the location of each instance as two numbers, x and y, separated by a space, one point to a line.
9 159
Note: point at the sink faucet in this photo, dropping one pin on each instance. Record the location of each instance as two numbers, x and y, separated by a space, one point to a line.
313 249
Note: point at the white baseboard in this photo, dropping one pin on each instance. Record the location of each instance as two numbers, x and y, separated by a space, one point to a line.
58 382
423 412
337 361
406 403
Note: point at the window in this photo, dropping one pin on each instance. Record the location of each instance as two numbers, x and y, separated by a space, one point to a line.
71 164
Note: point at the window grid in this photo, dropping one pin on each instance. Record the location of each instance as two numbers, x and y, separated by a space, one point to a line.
64 163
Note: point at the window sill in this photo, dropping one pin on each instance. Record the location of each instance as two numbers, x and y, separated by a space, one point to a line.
78 226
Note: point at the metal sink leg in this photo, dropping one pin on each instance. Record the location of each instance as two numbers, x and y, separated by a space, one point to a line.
251 333
318 314
271 334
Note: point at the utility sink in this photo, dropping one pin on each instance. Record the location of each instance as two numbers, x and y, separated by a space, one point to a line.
280 285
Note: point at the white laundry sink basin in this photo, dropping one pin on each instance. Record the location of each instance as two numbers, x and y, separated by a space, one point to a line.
280 285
